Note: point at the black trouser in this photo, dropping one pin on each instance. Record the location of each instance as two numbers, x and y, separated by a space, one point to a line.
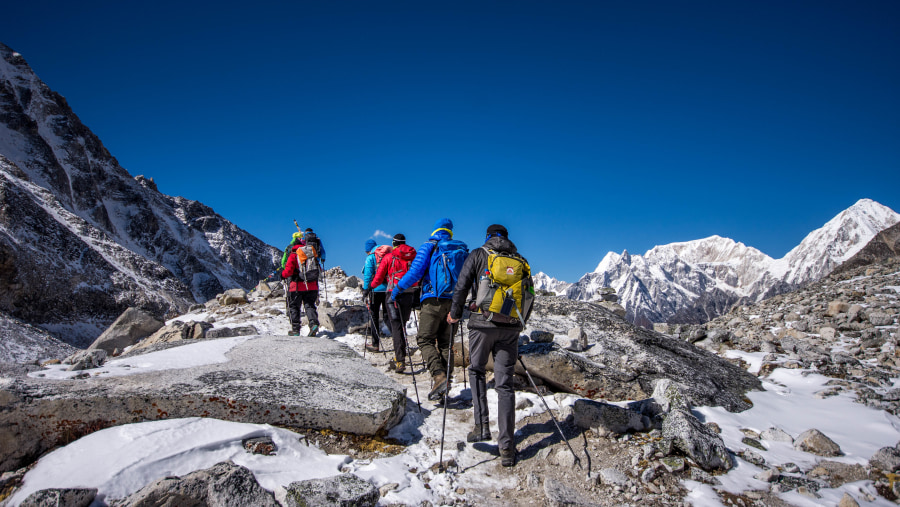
399 319
435 335
379 300
503 345
297 300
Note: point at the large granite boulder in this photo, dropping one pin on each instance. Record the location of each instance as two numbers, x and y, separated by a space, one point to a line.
131 327
624 362
295 382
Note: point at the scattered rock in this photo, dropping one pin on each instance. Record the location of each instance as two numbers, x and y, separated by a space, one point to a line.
815 442
605 418
223 484
776 435
684 432
338 491
85 360
886 459
69 497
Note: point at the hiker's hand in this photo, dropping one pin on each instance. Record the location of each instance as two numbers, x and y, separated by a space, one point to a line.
451 320
366 293
394 295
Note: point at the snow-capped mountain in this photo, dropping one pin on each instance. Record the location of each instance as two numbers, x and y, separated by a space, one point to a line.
698 280
545 282
81 239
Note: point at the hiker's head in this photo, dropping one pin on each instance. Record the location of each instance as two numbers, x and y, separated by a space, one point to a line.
399 239
496 230
297 236
370 245
308 229
444 224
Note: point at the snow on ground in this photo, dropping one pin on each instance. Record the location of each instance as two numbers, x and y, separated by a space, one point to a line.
148 451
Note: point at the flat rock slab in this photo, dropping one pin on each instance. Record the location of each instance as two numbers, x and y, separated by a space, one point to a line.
295 382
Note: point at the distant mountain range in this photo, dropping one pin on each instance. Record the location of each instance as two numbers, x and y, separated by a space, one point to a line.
81 239
695 281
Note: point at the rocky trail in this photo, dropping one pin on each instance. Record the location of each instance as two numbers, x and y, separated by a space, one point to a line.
676 427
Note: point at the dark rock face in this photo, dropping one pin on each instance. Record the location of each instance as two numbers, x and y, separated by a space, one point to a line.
83 240
624 361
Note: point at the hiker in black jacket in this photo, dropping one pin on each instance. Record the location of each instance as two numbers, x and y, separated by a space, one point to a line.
490 337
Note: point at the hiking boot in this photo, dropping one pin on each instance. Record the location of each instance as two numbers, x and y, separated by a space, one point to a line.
438 387
481 433
400 365
508 457
373 348
293 333
313 328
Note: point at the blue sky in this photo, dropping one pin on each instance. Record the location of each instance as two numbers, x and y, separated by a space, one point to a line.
583 127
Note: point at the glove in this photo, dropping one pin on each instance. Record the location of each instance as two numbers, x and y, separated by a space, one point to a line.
394 294
366 293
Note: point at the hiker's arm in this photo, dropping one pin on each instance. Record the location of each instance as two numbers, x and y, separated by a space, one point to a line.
466 277
417 269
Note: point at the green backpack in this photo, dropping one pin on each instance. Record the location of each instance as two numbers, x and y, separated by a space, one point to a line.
505 291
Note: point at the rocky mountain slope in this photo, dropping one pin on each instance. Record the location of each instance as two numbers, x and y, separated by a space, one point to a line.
696 281
81 239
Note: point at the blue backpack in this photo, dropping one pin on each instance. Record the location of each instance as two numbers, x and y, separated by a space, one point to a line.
447 258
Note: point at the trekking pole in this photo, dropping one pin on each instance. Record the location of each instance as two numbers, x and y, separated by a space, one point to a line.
462 351
366 336
287 306
412 369
446 402
372 322
577 459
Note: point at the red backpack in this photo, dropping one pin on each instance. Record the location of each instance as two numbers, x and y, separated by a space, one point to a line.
402 258
380 252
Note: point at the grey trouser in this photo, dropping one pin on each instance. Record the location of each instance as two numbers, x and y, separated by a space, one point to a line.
435 335
503 344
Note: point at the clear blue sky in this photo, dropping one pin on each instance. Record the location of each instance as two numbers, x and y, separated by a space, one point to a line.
583 126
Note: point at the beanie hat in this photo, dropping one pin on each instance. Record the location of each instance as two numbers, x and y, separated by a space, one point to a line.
297 235
370 245
399 239
443 224
497 230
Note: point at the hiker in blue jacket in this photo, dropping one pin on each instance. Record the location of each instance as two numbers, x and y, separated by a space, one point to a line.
435 333
375 296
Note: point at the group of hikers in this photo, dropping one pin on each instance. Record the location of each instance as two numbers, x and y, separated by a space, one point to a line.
442 279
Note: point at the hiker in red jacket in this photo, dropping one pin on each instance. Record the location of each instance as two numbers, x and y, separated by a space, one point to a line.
390 270
302 269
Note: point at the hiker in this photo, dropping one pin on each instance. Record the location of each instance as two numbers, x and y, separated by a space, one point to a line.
437 266
391 269
302 269
377 296
295 240
497 317
315 241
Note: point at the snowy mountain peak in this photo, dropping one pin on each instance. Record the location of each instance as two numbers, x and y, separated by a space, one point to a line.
693 281
543 281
